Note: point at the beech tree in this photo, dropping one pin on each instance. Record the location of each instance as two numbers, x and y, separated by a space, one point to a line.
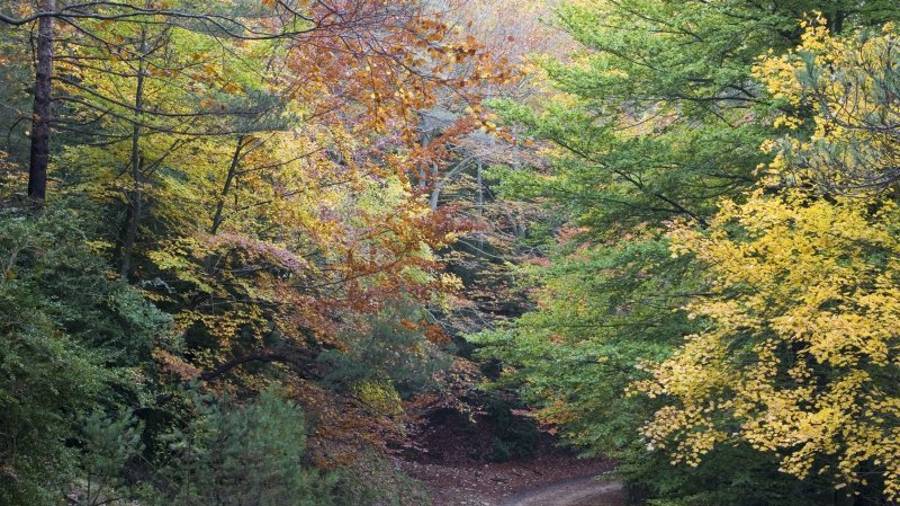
251 168
658 116
799 355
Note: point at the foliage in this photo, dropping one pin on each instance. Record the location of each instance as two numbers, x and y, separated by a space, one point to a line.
797 355
851 84
239 454
251 169
73 340
571 357
658 116
269 223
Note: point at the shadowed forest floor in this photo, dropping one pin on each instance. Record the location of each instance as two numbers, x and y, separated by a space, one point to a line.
577 492
456 466
510 483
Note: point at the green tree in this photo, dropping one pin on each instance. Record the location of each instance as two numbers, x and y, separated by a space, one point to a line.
72 341
233 454
654 119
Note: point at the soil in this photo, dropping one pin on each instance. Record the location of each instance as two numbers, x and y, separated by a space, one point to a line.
511 483
454 464
578 492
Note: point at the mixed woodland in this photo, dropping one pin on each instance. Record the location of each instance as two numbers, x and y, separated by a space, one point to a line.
251 249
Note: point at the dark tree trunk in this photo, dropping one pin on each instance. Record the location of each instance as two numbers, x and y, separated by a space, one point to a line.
135 196
836 21
41 116
218 218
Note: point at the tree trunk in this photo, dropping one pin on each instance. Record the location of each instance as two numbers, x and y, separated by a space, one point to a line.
480 181
218 218
41 115
135 197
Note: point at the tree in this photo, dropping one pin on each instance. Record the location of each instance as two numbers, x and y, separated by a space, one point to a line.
655 119
74 342
234 454
40 128
346 23
797 355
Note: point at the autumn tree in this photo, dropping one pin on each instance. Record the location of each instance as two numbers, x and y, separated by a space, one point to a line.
274 200
798 352
251 168
657 116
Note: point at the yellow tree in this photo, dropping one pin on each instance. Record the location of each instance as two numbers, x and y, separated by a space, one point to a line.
263 188
799 352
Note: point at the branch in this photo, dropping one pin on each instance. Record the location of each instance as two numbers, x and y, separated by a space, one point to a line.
301 363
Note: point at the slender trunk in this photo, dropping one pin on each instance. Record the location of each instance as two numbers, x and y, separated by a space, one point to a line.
135 197
435 197
480 182
41 115
132 223
218 217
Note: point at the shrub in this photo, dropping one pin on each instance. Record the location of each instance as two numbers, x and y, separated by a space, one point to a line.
233 454
71 336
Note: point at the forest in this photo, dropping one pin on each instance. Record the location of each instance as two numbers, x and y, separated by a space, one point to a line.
449 252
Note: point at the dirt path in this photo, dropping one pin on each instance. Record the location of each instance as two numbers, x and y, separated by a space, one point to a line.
577 492
453 466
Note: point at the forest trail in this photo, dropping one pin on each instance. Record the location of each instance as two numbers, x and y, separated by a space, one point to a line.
456 467
575 492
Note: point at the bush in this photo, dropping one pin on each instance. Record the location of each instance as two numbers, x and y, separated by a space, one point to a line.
232 454
390 349
71 336
514 436
110 445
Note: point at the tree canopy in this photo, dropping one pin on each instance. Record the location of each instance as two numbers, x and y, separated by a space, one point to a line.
250 248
